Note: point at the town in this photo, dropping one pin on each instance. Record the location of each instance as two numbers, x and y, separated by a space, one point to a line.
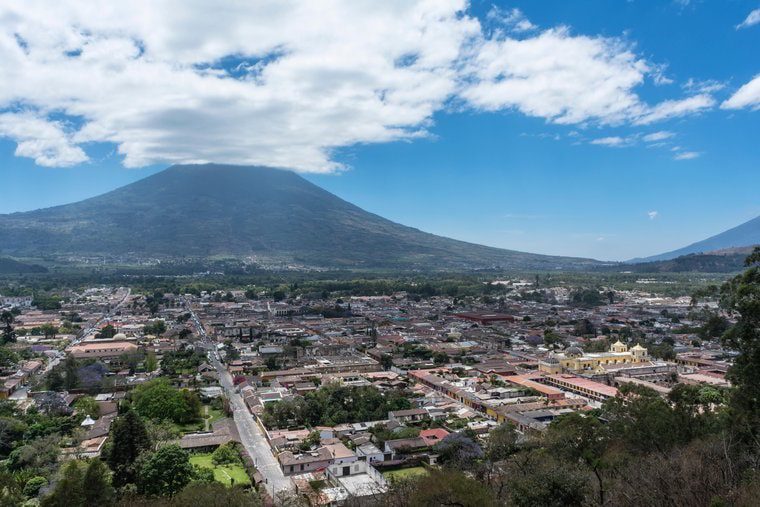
329 398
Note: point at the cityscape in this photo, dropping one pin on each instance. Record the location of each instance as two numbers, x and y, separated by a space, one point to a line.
411 253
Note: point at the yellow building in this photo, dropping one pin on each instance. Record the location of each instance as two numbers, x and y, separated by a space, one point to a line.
573 359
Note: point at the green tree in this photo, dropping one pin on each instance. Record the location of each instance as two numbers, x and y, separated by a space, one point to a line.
33 486
9 335
88 406
536 478
214 494
440 487
203 474
151 363
165 472
225 455
48 330
741 298
129 439
97 484
108 331
55 380
581 439
157 399
157 327
69 490
81 484
502 442
70 373
11 431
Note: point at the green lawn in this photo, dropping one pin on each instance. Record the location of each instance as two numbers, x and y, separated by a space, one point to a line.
223 473
404 473
214 415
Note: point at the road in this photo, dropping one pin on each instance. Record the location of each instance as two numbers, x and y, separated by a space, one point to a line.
251 435
86 332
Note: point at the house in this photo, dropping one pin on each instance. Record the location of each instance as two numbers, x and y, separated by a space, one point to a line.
409 415
333 452
400 448
102 349
312 461
369 452
433 436
359 479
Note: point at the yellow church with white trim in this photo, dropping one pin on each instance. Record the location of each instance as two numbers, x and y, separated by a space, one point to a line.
573 359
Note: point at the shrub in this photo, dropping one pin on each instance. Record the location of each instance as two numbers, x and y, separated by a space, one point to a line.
225 455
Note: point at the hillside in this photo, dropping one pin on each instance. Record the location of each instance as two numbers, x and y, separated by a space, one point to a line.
744 235
12 266
201 211
729 260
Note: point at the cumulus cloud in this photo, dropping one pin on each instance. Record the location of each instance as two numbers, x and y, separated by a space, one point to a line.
286 83
154 77
45 141
746 96
564 78
752 19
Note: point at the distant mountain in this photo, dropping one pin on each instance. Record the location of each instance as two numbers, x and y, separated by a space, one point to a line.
729 260
12 266
744 235
270 215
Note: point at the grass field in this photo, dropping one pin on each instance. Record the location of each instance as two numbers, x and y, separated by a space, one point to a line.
404 473
214 415
222 473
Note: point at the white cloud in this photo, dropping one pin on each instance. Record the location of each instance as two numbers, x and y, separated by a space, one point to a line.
676 108
698 86
652 214
513 20
752 19
146 75
686 155
746 96
286 83
614 141
661 135
555 75
44 141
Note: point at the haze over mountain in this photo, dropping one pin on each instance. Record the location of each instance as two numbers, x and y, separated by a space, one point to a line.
200 211
744 235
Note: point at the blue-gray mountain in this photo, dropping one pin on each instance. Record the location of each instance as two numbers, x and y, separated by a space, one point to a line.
202 211
744 235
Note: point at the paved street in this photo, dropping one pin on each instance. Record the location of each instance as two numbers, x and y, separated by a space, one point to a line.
251 435
89 330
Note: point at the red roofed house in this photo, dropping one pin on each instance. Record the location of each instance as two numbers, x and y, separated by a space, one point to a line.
433 436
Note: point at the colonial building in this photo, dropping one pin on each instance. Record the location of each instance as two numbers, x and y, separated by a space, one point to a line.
573 359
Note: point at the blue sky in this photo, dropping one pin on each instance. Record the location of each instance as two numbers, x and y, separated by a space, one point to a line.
552 168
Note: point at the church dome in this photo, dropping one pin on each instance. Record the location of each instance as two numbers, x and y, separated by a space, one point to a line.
119 336
573 351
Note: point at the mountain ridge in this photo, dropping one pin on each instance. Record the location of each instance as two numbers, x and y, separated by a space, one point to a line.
191 211
743 235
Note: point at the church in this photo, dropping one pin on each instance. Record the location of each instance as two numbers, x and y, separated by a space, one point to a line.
574 360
